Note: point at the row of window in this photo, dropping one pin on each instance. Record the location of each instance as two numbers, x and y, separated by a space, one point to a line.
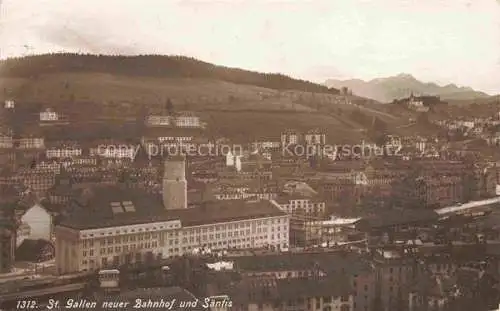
210 237
125 231
305 202
86 244
124 248
224 227
239 243
154 244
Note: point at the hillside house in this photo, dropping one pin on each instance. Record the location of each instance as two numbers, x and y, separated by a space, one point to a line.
9 104
49 115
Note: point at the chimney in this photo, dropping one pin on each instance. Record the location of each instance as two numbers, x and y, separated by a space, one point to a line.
174 183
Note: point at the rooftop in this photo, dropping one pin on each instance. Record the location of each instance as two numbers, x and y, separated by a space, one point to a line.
285 198
225 211
307 287
110 206
399 216
93 209
468 205
329 262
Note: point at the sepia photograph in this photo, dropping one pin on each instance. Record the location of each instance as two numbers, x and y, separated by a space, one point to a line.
250 155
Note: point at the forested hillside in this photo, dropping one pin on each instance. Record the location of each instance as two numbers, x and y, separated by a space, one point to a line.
151 66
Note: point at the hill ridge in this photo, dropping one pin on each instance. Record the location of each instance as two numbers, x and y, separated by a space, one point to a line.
152 65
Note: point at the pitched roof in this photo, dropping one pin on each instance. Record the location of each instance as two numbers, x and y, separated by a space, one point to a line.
225 211
94 209
31 250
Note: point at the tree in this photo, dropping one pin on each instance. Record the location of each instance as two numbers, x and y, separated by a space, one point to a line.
169 107
379 125
423 118
408 192
344 90
469 179
380 139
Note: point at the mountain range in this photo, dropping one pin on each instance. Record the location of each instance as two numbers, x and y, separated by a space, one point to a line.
401 86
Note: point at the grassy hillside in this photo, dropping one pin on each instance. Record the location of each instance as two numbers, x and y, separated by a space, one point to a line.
87 90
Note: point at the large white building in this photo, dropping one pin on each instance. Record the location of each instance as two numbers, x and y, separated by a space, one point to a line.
305 212
63 152
110 226
188 120
9 104
154 120
31 143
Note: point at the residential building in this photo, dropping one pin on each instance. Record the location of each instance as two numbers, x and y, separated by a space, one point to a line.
266 145
267 293
158 120
187 119
9 104
290 137
34 224
441 192
305 212
6 142
315 137
339 230
114 150
49 115
356 275
396 273
63 150
38 182
31 143
157 139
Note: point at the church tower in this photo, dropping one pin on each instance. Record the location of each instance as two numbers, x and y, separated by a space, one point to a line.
174 183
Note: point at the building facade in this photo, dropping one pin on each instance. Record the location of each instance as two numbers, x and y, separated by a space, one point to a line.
119 225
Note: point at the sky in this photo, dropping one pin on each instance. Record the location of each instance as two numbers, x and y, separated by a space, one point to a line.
443 41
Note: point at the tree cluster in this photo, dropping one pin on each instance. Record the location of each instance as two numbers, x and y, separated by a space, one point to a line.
409 191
